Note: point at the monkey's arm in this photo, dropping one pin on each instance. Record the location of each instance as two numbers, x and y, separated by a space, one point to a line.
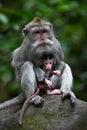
40 74
17 62
55 78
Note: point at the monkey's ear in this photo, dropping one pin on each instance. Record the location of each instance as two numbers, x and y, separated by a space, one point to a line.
51 26
25 31
54 60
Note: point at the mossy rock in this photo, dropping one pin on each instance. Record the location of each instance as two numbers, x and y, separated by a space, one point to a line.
55 114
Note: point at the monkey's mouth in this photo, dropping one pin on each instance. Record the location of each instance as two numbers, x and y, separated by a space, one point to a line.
40 49
45 43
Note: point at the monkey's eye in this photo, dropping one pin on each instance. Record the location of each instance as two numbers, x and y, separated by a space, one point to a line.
46 63
41 31
50 63
37 32
44 31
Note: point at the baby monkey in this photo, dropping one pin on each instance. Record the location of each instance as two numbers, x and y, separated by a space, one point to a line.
47 63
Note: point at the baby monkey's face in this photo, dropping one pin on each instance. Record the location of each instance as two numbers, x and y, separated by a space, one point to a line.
48 64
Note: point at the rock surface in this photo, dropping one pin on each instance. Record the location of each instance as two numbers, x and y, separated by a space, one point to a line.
55 114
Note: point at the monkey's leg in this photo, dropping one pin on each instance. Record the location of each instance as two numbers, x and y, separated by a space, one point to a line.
66 84
28 82
28 79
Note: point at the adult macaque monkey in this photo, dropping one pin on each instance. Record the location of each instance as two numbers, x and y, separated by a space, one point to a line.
40 39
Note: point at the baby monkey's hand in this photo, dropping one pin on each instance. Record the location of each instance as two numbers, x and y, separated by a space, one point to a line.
49 83
56 72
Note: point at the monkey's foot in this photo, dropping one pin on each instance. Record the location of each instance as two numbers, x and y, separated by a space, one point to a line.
37 101
53 92
70 95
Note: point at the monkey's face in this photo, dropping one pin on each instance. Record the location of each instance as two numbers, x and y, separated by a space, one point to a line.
39 37
40 33
48 64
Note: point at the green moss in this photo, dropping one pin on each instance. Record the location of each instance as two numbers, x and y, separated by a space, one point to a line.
37 122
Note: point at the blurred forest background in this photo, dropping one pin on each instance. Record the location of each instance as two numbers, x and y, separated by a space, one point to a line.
69 18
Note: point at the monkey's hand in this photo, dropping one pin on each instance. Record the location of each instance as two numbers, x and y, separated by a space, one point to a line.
39 74
70 95
55 79
56 72
37 101
49 83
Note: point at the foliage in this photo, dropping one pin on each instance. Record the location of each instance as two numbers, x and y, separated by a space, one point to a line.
69 19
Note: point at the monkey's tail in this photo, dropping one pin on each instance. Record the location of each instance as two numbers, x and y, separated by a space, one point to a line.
24 105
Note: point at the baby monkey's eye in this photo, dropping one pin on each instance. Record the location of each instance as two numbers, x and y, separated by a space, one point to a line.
46 63
50 63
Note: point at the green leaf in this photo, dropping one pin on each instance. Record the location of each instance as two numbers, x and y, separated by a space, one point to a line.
55 1
4 19
6 76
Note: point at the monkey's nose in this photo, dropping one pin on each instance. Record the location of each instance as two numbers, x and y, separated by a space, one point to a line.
42 37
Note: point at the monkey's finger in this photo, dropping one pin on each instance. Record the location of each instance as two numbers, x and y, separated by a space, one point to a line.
39 102
36 99
73 100
50 86
56 73
41 78
73 97
65 95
